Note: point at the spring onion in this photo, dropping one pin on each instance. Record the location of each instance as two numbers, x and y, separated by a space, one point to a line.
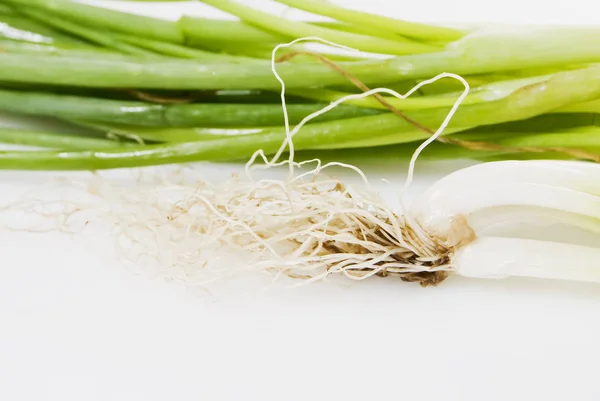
150 91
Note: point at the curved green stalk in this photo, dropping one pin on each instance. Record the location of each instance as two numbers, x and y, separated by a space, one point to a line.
405 28
296 29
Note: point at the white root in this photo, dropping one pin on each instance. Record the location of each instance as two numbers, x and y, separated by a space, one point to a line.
307 228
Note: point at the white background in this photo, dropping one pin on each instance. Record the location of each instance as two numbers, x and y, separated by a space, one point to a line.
74 327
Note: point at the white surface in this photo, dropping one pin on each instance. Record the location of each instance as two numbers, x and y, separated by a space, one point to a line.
74 327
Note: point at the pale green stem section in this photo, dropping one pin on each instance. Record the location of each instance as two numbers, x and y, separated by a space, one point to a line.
410 29
296 29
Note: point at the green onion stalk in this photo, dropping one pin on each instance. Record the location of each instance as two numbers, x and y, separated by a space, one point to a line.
144 114
475 55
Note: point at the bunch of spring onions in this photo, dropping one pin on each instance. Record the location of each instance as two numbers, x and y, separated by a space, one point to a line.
133 91
202 89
